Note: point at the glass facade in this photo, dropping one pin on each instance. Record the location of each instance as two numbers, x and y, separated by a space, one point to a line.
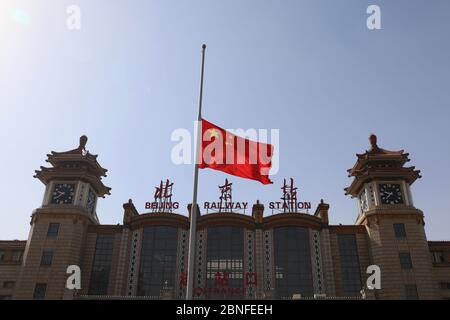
102 264
350 269
224 268
293 272
158 260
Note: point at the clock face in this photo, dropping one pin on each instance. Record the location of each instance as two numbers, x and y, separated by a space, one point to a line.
391 193
63 193
363 201
90 204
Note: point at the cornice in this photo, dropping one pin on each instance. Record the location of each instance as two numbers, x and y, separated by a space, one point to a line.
226 218
347 229
77 213
291 219
148 219
390 212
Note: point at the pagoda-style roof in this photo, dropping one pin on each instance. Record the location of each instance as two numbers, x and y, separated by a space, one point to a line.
380 163
76 164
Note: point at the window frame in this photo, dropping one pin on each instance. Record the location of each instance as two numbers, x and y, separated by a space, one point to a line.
162 241
50 232
444 285
35 292
409 288
405 265
101 264
399 233
225 255
13 256
5 286
293 270
47 258
350 264
435 254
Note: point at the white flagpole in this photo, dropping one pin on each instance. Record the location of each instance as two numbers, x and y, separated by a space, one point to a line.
194 213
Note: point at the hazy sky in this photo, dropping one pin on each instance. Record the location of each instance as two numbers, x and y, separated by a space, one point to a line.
312 69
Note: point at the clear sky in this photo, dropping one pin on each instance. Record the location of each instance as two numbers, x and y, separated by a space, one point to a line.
312 69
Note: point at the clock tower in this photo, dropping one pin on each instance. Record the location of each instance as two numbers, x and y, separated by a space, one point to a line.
73 181
73 184
395 227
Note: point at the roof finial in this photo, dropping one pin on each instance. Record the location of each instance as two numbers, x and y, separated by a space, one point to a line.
80 150
373 141
83 141
82 147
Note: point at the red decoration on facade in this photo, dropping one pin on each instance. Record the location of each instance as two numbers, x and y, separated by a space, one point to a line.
251 279
222 279
163 198
225 195
183 279
289 197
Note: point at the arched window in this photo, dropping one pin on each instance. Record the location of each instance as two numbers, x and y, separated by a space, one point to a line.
158 260
225 271
293 272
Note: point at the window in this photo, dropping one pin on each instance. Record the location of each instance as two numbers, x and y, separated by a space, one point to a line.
158 260
102 264
350 268
438 257
405 260
445 285
5 297
39 291
399 229
53 229
17 255
411 292
2 255
9 284
292 257
47 258
224 263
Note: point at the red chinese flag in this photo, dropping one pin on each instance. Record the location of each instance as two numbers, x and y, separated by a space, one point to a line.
224 151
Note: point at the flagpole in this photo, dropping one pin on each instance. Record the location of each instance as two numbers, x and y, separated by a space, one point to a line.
194 213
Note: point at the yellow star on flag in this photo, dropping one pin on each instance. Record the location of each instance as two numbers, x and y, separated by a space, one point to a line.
214 133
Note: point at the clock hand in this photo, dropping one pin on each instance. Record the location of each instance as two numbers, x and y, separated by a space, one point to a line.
60 194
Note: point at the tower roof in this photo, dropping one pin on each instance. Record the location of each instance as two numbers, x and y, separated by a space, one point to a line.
76 164
380 163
